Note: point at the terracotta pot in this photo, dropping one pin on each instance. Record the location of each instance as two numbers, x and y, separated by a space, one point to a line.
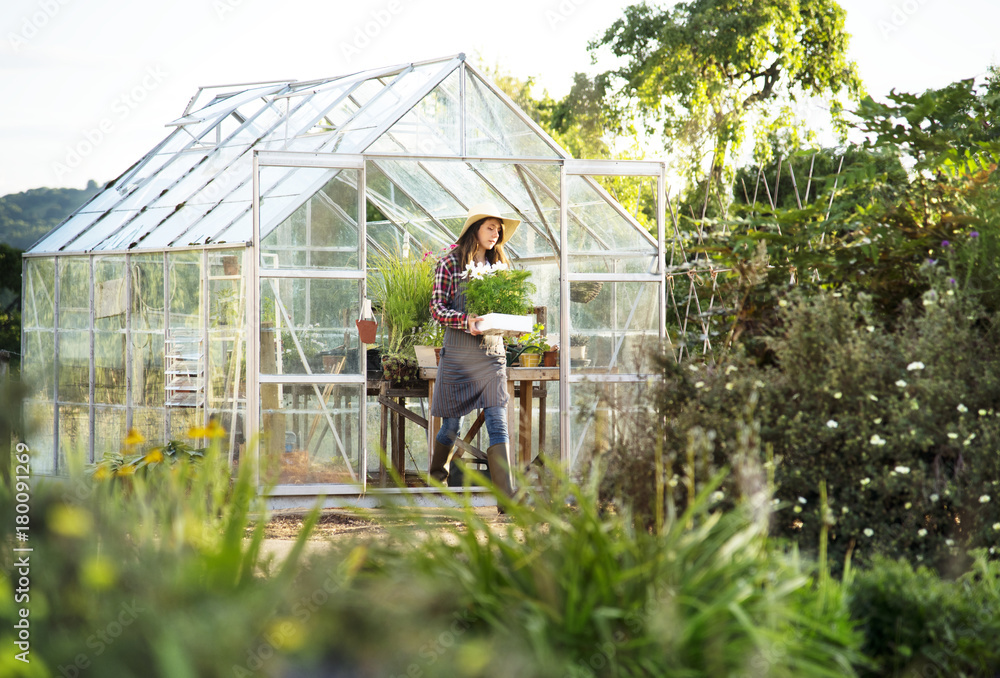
366 331
550 358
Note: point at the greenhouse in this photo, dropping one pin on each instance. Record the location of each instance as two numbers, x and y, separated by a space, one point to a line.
218 280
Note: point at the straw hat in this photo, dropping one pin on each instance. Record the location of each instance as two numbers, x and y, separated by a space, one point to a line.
488 209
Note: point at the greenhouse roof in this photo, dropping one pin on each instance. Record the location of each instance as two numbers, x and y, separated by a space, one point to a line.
196 187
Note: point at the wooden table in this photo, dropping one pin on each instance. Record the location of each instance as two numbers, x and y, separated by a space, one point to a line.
525 377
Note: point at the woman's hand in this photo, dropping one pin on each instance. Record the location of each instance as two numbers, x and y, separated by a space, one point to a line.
472 320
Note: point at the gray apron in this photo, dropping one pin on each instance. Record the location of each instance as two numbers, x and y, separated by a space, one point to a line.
472 374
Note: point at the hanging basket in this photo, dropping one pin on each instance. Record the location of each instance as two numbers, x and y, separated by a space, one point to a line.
584 292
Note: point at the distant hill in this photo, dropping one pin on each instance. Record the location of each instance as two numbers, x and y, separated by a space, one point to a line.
26 217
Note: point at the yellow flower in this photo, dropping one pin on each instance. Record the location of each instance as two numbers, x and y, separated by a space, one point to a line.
213 430
154 456
134 437
126 470
102 472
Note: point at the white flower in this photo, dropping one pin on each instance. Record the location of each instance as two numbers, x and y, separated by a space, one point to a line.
869 531
865 481
985 499
877 440
915 366
952 435
699 384
949 542
693 367
962 408
877 420
782 303
996 526
717 495
832 424
921 532
500 266
873 398
902 469
934 497
802 500
838 395
729 386
900 383
844 509
870 328
730 369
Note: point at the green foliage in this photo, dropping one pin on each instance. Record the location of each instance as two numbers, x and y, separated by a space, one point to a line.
535 341
699 68
568 588
26 217
500 291
401 288
161 576
900 423
916 624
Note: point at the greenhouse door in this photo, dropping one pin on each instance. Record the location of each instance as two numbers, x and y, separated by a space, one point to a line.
309 225
613 275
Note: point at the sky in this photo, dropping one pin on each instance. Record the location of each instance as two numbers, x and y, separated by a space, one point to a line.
88 85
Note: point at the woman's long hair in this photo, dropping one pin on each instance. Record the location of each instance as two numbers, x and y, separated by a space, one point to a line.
469 243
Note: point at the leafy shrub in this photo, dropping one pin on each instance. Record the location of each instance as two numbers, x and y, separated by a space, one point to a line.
916 624
902 424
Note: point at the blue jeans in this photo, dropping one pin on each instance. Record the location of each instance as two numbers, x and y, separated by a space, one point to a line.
496 426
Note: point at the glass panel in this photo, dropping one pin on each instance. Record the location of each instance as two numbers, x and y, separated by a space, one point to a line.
182 220
619 327
230 222
74 293
74 366
37 368
492 128
216 169
74 433
147 331
226 341
307 326
102 228
150 421
432 127
322 233
596 225
311 433
39 420
109 330
66 232
184 345
182 420
603 413
109 430
39 294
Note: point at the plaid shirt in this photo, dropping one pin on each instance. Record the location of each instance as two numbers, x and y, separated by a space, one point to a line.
447 276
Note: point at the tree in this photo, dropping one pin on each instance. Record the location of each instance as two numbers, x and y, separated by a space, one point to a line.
700 69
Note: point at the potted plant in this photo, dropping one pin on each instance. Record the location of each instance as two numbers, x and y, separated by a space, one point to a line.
536 346
401 287
578 346
429 339
501 295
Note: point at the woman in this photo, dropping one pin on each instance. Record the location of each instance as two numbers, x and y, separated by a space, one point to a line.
472 374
